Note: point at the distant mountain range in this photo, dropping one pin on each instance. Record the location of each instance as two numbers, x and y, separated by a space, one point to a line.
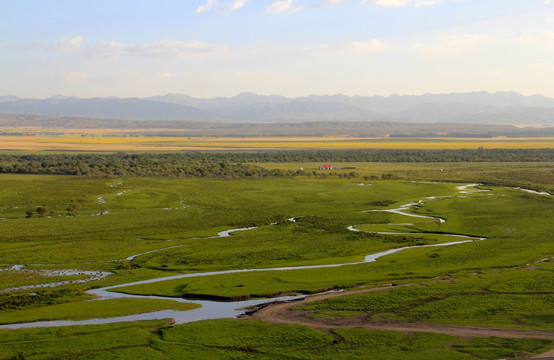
503 108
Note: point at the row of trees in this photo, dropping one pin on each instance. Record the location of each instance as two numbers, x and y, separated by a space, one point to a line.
112 165
391 155
235 165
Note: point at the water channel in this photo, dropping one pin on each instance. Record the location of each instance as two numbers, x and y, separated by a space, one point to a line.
221 309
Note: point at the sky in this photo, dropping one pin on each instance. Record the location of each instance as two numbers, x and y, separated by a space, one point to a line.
209 48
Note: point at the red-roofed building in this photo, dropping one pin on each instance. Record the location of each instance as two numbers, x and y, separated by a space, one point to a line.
326 167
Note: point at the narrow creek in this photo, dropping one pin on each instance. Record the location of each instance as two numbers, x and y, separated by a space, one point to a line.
220 309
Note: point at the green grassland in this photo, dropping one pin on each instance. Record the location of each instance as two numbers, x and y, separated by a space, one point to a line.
283 244
139 219
518 232
243 339
94 224
519 298
92 310
532 175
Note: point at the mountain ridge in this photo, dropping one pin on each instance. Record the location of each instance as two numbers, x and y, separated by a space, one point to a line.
506 107
19 124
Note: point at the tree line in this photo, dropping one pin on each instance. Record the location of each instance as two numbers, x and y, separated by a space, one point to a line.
240 164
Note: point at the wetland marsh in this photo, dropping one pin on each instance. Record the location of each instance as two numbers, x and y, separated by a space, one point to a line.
157 249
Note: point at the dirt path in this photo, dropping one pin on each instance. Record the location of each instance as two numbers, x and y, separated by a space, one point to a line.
284 313
546 355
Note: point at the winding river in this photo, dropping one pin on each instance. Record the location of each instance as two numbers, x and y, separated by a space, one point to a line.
219 309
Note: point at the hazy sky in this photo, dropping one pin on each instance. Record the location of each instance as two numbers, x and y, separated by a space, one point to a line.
208 48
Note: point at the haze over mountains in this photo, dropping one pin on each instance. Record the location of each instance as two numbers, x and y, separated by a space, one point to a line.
506 108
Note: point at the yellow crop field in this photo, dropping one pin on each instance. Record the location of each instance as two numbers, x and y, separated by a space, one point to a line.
146 143
382 143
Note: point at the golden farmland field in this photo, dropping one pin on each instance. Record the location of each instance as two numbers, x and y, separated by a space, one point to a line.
147 143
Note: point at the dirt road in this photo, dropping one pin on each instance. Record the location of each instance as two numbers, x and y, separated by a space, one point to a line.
285 313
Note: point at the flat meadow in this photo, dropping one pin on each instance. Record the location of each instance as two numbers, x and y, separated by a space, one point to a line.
139 228
243 339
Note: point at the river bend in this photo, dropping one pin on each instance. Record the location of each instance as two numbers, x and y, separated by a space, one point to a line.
219 309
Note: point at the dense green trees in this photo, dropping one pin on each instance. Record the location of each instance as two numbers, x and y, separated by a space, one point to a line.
238 164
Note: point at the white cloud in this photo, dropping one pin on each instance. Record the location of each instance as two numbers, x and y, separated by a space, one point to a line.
419 3
114 49
526 39
392 3
330 3
281 6
451 46
355 48
237 4
206 7
67 44
164 75
162 48
317 48
76 77
540 37
400 3
368 47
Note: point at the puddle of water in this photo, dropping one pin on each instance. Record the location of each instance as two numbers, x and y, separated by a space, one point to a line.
402 211
227 233
468 189
533 191
90 276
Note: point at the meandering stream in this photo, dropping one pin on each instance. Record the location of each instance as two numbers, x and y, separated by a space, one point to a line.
218 309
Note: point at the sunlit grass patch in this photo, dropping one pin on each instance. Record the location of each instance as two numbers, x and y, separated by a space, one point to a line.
520 298
92 309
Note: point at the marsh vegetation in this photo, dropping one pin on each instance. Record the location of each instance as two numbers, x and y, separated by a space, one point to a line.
504 281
